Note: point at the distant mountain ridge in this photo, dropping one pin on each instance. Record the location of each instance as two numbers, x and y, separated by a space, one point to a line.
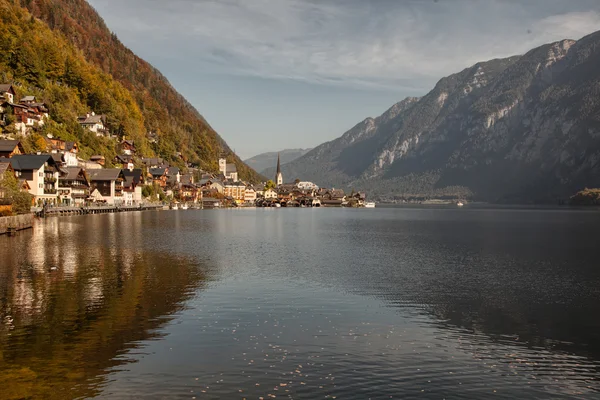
264 161
520 129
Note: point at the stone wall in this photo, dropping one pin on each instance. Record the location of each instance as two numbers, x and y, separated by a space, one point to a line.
19 221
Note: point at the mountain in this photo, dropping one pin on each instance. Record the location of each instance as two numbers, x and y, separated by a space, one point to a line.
157 108
264 161
520 129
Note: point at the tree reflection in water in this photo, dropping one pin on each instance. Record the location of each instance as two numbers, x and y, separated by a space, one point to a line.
70 305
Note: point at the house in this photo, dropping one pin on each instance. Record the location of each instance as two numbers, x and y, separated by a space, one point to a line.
173 176
155 162
159 176
94 123
68 150
235 190
270 194
125 160
132 187
332 197
9 148
7 92
109 183
307 186
357 199
127 147
41 174
249 195
190 193
73 186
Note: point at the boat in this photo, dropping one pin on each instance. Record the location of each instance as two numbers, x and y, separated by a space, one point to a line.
370 204
276 205
174 206
460 204
184 206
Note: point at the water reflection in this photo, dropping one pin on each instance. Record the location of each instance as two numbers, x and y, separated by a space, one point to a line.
74 294
304 303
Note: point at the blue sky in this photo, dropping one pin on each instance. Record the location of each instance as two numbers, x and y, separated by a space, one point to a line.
270 75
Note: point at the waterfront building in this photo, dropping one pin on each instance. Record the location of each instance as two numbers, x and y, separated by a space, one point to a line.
109 183
133 181
73 186
41 174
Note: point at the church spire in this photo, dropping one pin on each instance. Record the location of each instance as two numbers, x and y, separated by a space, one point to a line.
279 176
278 165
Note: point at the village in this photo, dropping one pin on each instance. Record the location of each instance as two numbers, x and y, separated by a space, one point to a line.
60 177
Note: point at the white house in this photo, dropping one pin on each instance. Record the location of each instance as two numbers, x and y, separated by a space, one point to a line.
93 122
270 194
307 186
41 174
249 195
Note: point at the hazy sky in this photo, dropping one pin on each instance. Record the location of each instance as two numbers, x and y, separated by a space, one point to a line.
270 75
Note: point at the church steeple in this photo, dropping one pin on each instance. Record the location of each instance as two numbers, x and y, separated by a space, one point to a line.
279 176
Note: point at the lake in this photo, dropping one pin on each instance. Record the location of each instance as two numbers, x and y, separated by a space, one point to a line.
304 304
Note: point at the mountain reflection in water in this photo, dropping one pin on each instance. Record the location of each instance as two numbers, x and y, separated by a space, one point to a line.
401 302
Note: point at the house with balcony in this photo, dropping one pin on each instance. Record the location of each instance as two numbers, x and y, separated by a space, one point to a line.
235 190
108 183
159 176
94 123
73 186
40 173
249 195
132 186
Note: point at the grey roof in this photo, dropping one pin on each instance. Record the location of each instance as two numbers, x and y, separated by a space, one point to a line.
5 87
57 157
107 174
30 161
8 145
91 119
69 146
28 98
173 171
132 177
157 171
230 167
71 173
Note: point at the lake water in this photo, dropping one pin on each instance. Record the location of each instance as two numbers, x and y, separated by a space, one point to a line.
304 304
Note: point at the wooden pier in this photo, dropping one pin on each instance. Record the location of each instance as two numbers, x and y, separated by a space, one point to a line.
64 211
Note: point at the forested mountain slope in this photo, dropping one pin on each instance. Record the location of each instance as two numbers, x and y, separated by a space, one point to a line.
81 36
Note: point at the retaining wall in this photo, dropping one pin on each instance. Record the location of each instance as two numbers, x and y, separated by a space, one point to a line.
19 222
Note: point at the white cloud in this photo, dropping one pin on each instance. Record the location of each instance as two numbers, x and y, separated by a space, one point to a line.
386 44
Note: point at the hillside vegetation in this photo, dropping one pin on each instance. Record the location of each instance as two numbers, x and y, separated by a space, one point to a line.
61 52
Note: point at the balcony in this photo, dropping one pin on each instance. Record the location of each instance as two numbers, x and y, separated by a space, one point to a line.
49 191
49 179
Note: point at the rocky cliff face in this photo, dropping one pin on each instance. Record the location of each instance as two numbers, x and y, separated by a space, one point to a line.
520 129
